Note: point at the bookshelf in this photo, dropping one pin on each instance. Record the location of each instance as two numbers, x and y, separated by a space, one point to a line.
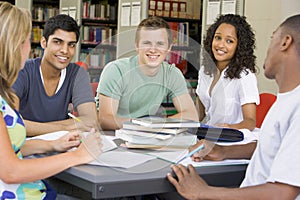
41 11
98 27
98 21
95 52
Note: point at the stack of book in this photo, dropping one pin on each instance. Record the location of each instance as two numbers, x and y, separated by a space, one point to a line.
154 133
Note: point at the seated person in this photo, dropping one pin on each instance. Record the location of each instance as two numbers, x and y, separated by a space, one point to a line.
46 86
273 171
22 178
136 86
227 86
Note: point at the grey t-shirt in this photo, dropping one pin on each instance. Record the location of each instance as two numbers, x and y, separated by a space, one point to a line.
36 105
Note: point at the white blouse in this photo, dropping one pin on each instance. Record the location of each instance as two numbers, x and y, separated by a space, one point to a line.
227 96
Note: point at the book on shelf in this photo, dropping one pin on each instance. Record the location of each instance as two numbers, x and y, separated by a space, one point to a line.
160 122
102 11
137 127
182 140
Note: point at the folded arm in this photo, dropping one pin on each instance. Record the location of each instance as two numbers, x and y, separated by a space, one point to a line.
212 151
15 170
185 107
86 112
249 118
62 144
107 115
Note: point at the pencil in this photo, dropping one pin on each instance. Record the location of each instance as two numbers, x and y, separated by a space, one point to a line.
74 117
191 153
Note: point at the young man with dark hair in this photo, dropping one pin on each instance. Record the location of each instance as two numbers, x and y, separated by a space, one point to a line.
273 172
47 85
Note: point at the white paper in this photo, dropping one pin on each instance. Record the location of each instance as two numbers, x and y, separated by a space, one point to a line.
174 156
228 7
49 136
125 14
107 141
122 159
206 163
135 13
213 10
170 156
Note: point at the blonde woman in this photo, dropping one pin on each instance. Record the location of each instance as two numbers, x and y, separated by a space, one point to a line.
20 178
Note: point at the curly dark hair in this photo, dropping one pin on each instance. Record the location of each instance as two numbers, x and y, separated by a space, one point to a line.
243 58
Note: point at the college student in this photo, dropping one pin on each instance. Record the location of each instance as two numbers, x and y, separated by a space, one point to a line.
273 172
136 86
227 86
46 86
20 178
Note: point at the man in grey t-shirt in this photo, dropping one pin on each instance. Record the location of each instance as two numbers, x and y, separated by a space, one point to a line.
46 86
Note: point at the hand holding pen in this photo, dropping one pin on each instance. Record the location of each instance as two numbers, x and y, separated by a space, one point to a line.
212 151
90 137
191 153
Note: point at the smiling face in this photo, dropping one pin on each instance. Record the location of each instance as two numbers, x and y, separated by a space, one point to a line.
224 44
152 47
60 49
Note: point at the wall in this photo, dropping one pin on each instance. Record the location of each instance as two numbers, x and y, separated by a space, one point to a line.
265 16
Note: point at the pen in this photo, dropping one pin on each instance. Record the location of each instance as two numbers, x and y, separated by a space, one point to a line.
74 117
191 153
76 120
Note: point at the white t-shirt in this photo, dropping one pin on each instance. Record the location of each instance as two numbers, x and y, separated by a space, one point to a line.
276 158
224 105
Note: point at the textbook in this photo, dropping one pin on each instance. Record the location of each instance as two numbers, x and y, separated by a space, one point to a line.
137 127
182 140
146 134
159 122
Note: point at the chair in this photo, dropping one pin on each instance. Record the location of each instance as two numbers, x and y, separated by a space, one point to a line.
82 64
94 87
266 101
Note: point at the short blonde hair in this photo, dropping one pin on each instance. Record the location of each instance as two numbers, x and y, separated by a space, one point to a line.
15 26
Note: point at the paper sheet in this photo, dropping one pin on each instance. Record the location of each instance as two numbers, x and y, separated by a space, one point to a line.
114 158
122 159
174 156
107 141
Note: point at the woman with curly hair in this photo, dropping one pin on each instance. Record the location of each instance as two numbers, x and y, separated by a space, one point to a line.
227 86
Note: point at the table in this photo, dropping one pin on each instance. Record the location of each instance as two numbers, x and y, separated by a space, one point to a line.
148 178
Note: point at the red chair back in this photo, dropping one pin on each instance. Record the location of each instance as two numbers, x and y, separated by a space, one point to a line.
94 87
82 64
266 101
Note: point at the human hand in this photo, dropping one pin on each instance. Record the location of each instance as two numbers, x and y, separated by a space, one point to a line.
90 147
188 183
211 151
66 142
223 125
